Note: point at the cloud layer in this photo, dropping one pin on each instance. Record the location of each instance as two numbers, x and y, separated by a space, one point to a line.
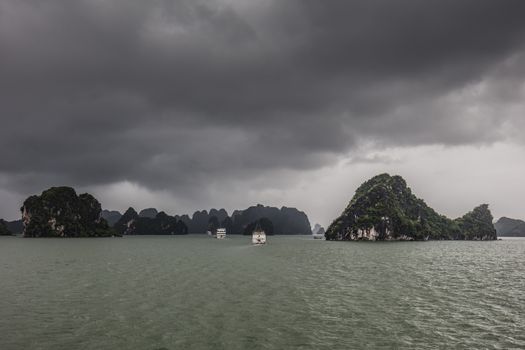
205 99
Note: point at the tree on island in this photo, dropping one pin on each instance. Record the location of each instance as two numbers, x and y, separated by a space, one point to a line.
477 224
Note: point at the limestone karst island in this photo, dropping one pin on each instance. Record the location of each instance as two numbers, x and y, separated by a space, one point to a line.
382 209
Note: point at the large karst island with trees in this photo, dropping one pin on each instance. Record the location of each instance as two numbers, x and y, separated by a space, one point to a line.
60 212
382 209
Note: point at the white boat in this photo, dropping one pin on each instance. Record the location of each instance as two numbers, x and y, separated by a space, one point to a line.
258 236
221 233
319 234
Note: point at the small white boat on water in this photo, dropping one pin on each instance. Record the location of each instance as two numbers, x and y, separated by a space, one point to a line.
318 233
258 236
221 233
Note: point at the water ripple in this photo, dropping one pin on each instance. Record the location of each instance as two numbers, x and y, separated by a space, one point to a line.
196 293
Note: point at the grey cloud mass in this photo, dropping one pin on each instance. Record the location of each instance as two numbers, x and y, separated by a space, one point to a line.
190 97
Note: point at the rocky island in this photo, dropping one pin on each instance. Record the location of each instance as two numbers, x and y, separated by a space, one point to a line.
60 212
384 208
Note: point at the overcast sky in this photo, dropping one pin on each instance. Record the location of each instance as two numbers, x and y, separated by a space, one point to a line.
185 105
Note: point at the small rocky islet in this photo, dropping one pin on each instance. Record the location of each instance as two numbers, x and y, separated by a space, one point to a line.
384 208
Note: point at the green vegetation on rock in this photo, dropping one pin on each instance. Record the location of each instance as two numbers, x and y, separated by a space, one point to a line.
59 212
384 208
477 224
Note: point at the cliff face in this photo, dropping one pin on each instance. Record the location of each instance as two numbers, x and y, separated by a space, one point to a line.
4 231
384 208
508 227
59 212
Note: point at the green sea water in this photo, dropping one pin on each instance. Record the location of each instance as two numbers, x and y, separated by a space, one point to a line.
195 292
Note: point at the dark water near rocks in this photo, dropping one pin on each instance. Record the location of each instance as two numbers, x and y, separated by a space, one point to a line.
195 292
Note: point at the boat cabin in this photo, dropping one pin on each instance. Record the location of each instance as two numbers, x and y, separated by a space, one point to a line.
221 233
258 236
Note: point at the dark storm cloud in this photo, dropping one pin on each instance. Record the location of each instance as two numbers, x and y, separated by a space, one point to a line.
173 94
